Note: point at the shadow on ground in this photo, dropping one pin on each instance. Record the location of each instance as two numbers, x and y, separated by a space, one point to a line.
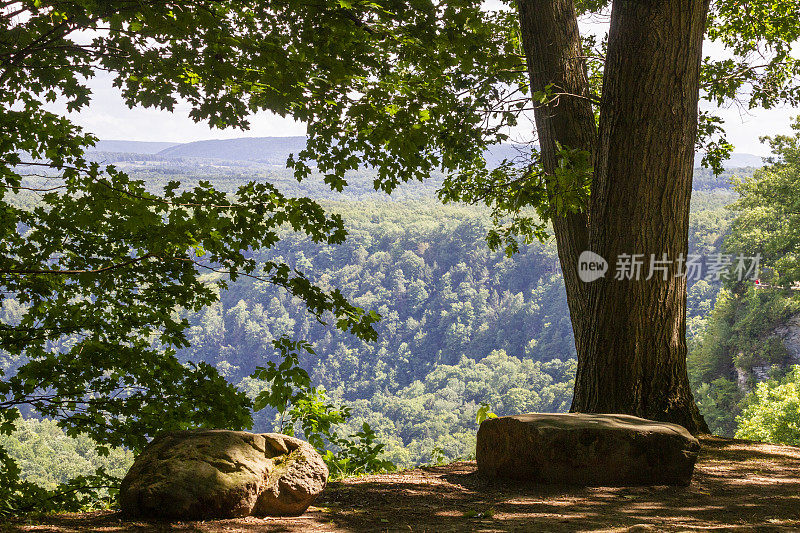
737 486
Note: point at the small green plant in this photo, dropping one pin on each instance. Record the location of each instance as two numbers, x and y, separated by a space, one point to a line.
472 513
307 408
484 413
358 454
438 456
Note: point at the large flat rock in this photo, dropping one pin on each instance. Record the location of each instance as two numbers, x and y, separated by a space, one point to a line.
586 449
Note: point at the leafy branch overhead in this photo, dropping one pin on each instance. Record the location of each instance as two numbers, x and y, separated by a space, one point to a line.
101 266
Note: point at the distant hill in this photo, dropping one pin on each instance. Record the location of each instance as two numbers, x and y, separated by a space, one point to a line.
737 160
275 150
133 147
270 150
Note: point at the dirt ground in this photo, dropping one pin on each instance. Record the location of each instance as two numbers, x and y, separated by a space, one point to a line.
737 486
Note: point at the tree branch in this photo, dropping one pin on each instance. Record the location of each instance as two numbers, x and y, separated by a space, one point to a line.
88 271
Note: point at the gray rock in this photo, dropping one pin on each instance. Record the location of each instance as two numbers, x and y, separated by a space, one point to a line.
789 333
586 449
201 474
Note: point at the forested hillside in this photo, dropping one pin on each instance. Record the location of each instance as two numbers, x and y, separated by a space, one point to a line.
742 364
461 325
447 303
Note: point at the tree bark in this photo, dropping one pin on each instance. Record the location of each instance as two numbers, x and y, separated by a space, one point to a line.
635 345
630 335
552 46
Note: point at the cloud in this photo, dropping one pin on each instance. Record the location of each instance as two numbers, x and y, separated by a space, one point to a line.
109 118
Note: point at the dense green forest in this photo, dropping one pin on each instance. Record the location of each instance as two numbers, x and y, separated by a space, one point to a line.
447 303
743 361
461 325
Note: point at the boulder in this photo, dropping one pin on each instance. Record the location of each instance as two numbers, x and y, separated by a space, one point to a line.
586 449
201 474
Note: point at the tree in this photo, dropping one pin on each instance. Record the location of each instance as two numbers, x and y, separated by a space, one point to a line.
772 411
768 212
630 335
103 268
453 76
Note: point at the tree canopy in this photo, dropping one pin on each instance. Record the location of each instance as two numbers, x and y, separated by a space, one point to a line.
740 336
768 221
772 412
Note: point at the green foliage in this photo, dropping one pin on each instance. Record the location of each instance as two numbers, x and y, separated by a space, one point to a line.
523 200
436 416
484 413
104 269
427 270
45 470
299 405
772 411
288 383
738 336
719 401
472 513
104 272
438 456
759 66
79 493
100 267
768 221
461 326
361 453
735 339
711 142
48 457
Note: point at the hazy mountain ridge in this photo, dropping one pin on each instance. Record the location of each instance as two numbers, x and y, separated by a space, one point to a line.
133 147
270 150
275 150
193 162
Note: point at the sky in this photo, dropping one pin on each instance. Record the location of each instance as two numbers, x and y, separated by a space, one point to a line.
108 117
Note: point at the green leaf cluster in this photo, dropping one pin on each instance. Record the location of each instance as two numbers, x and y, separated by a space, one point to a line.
307 409
772 411
739 337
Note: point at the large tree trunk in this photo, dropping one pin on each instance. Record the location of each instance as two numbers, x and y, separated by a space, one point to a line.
630 335
552 45
634 358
